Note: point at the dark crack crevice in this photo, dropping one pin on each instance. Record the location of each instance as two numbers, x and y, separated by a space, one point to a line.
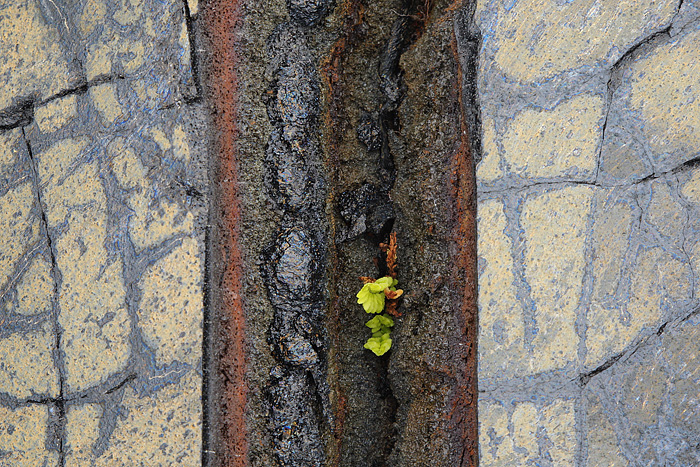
21 114
190 23
57 429
681 168
584 378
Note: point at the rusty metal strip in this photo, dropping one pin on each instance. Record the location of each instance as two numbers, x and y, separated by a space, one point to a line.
464 404
221 20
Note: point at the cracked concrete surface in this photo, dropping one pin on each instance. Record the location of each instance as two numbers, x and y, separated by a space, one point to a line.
588 241
103 202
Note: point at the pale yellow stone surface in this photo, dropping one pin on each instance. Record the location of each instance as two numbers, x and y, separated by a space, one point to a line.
93 312
194 6
94 13
489 168
19 229
127 168
154 219
558 142
657 274
554 225
26 366
611 237
521 430
665 87
9 152
602 443
32 57
35 288
644 392
161 429
56 114
82 432
683 372
23 437
665 211
159 137
170 313
559 424
181 143
612 228
129 13
493 424
105 100
539 39
501 325
691 189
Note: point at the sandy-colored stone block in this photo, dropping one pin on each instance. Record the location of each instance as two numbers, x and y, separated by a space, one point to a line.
35 289
664 86
683 374
489 168
26 364
155 218
194 6
104 98
537 40
602 445
665 212
82 432
501 321
138 41
164 428
33 59
557 143
497 446
56 114
654 114
170 312
23 436
9 151
555 231
19 228
612 230
92 296
657 277
526 434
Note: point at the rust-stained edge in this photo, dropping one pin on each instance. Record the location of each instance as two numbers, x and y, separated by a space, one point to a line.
463 405
227 363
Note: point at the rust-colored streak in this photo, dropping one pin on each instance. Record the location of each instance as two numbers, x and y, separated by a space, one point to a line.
464 416
221 21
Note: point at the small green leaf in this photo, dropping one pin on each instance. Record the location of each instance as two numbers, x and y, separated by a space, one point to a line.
372 302
379 345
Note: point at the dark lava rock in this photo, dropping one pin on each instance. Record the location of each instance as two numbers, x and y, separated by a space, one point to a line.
294 100
292 270
369 134
308 12
366 210
286 174
294 420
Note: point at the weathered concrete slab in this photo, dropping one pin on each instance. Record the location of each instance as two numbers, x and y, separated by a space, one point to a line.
586 231
103 208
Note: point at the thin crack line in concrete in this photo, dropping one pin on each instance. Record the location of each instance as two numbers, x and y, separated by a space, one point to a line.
584 378
687 165
60 427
